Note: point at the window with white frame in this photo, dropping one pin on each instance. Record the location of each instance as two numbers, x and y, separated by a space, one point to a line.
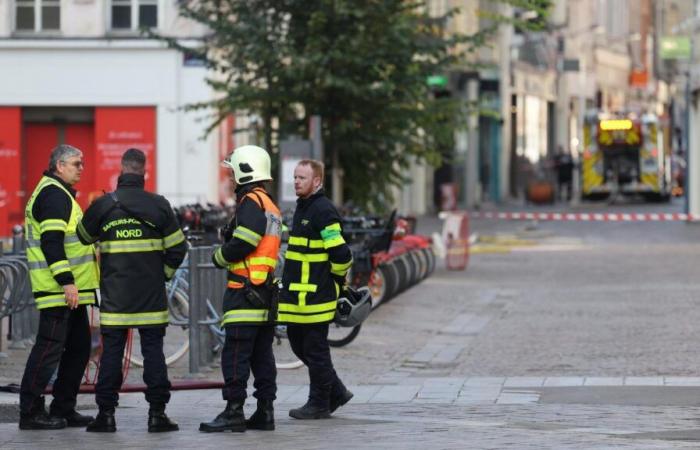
133 14
37 15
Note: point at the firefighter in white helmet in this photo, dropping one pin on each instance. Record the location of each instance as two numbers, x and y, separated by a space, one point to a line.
249 254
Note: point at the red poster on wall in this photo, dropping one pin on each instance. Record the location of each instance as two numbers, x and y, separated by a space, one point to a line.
118 129
37 141
11 205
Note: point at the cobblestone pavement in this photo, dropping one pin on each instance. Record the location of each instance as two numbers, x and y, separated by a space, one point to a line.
479 412
582 346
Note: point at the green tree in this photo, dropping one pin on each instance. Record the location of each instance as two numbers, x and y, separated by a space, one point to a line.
361 65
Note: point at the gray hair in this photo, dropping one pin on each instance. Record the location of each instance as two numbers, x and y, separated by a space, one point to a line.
62 153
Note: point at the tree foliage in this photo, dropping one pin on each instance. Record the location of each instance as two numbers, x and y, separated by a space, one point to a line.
361 65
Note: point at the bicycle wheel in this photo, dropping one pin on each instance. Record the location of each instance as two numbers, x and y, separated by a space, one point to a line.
412 265
284 356
393 279
340 336
430 254
179 308
422 264
381 283
403 273
176 342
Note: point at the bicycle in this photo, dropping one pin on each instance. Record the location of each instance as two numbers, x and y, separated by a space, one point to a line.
340 336
176 343
15 290
284 356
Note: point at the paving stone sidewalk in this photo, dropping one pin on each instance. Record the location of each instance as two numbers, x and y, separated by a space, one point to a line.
422 374
447 412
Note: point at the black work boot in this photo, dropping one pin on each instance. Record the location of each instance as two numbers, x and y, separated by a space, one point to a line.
310 412
104 422
75 419
231 418
39 420
339 400
263 418
158 421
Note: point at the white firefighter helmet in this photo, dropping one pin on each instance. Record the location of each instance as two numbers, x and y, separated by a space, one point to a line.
249 163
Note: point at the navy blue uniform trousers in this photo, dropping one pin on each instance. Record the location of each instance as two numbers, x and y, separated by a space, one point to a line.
310 343
63 341
249 348
155 372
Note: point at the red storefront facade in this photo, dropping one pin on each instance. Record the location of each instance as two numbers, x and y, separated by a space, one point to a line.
27 136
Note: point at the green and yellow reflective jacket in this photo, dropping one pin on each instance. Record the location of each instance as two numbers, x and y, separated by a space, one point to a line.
316 257
79 258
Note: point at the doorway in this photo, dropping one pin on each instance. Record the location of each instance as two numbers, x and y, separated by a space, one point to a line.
44 129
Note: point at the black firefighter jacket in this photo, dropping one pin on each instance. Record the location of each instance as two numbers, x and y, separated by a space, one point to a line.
141 246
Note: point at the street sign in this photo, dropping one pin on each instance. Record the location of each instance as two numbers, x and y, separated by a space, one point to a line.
437 81
675 47
639 78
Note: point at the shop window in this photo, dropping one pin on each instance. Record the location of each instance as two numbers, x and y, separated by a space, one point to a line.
37 15
134 14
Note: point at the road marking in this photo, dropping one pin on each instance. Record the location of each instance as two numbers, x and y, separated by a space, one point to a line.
597 217
550 248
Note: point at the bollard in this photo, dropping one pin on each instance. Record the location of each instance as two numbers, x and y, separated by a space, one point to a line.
455 235
194 313
206 283
17 239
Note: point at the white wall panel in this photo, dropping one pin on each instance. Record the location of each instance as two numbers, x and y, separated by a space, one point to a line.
169 166
83 18
96 73
87 76
6 18
199 153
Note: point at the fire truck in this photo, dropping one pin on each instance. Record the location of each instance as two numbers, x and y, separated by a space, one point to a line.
625 154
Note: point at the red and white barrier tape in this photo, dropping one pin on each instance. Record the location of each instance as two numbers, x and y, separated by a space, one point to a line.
588 217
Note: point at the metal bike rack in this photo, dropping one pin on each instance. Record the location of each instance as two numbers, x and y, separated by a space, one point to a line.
16 299
206 282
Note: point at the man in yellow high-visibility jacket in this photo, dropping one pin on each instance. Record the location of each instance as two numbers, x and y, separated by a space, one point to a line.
64 276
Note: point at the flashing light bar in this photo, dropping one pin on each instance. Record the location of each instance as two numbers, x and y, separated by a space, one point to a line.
616 124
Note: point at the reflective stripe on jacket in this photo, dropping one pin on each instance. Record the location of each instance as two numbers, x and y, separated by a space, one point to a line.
263 260
141 246
80 258
257 265
316 255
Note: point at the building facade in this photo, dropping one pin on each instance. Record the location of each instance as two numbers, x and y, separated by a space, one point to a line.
79 72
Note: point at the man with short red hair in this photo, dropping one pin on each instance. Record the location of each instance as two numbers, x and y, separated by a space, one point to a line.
316 263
